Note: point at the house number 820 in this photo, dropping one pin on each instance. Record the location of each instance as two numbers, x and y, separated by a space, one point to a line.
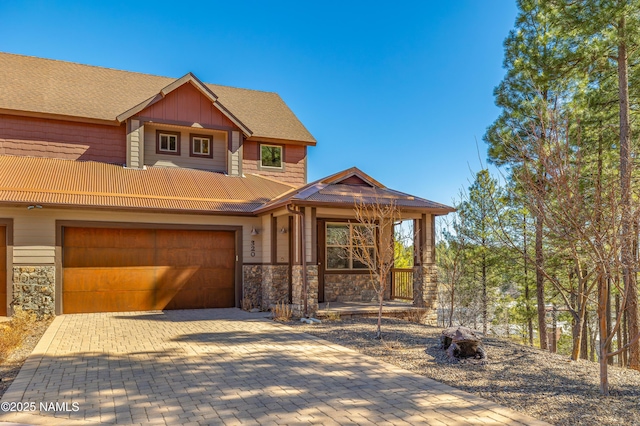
253 248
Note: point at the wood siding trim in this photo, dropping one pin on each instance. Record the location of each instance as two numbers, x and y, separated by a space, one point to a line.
274 239
320 243
8 225
61 224
291 246
189 124
314 236
280 141
432 241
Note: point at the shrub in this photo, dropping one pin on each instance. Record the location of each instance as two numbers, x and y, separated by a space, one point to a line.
417 315
246 304
12 333
282 312
331 315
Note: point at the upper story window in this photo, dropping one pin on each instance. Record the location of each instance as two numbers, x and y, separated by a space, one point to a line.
271 156
167 142
343 243
201 146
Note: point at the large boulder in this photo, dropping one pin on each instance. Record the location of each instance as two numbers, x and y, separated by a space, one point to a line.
462 342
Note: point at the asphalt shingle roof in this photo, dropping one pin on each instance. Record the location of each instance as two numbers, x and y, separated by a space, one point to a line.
49 86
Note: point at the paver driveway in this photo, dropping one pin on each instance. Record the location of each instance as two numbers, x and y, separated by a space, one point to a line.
223 366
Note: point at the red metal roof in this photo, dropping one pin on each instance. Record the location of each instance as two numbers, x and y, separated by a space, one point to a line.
77 183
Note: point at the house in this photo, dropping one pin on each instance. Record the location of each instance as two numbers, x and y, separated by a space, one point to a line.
122 191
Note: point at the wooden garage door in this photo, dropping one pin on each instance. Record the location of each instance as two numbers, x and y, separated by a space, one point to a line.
3 270
116 270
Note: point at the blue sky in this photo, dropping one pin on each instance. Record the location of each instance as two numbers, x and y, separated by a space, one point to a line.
402 90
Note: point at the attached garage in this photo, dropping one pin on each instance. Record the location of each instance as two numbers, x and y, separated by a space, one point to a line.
121 269
3 270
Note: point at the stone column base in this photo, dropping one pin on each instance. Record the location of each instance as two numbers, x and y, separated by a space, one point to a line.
425 291
297 296
34 289
275 285
251 286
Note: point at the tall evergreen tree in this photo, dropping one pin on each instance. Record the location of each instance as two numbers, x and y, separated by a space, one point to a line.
535 60
478 225
606 33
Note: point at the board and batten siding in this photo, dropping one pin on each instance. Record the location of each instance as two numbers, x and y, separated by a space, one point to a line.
188 105
219 148
35 230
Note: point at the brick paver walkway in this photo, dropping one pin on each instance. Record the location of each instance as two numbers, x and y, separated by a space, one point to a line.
224 366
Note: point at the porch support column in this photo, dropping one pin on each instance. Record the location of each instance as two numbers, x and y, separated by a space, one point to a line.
424 271
275 276
301 224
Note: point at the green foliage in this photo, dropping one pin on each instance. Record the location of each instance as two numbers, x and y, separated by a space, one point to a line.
562 134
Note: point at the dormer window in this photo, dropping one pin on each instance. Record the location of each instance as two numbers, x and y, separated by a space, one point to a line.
167 142
271 157
201 146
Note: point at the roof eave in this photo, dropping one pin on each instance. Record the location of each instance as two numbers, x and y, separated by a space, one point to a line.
125 208
304 142
438 211
62 117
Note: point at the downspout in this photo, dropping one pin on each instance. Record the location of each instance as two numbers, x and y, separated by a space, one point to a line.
304 256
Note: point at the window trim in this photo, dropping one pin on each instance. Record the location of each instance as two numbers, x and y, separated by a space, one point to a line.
263 167
170 133
349 246
192 136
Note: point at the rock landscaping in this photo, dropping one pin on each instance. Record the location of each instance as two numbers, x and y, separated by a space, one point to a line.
10 367
546 386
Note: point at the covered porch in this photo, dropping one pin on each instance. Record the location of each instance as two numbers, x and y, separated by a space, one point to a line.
308 251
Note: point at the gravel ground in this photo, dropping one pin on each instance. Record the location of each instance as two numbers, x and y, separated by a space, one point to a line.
11 367
546 386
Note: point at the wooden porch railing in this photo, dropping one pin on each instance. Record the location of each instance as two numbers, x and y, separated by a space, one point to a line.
402 283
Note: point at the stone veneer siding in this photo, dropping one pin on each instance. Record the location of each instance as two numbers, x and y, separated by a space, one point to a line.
297 292
425 290
252 285
275 285
351 288
34 289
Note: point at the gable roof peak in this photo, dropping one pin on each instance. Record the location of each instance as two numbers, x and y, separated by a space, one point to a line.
349 173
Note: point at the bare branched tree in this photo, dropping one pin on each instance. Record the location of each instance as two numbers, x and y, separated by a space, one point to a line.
373 242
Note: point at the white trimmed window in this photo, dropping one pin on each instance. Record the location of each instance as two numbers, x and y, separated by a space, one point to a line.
342 243
201 146
168 142
271 156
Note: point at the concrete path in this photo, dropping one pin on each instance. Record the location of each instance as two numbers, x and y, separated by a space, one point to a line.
222 366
